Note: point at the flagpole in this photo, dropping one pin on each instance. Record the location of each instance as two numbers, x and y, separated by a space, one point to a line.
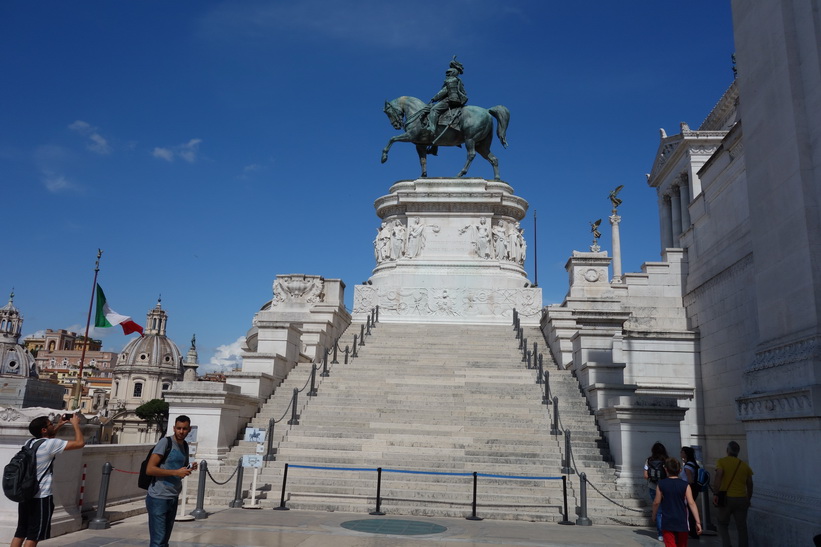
79 387
535 256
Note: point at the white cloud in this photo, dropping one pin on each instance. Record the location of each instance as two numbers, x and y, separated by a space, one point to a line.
98 144
226 358
187 151
56 182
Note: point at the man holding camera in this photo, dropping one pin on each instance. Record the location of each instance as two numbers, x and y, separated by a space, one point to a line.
164 492
34 515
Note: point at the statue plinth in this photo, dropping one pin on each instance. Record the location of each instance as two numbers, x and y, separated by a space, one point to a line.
449 251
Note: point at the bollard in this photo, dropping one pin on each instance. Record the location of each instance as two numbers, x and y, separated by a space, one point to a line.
269 450
199 513
325 372
473 515
237 501
583 520
376 310
546 388
565 520
524 350
312 392
535 352
539 379
529 355
336 348
566 469
282 497
294 417
378 493
515 314
368 325
373 317
519 336
347 349
354 347
100 522
554 427
361 335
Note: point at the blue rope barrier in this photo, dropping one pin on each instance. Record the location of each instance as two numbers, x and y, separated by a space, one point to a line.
412 472
519 477
426 472
333 468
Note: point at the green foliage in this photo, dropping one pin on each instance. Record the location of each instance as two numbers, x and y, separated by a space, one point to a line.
154 411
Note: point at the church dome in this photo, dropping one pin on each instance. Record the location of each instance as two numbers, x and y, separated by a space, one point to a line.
153 352
14 358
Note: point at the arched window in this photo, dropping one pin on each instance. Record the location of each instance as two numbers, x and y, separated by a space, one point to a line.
138 389
166 386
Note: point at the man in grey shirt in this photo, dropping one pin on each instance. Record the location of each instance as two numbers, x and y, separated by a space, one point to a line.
164 492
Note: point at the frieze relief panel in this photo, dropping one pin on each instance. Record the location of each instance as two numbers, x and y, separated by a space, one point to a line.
291 289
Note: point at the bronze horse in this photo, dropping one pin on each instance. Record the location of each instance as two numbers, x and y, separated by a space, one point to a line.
474 128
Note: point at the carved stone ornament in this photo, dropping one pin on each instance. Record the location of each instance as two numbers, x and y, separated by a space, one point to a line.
298 289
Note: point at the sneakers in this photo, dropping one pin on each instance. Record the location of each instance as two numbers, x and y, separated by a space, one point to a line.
661 538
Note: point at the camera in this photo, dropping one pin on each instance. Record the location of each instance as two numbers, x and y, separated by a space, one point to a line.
67 417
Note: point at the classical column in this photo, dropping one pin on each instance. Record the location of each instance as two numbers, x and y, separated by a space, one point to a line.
685 206
614 223
666 223
675 210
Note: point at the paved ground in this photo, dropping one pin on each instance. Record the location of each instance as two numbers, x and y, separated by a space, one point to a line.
264 527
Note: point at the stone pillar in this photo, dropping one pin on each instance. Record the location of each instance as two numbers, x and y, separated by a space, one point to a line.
665 219
684 189
675 215
614 223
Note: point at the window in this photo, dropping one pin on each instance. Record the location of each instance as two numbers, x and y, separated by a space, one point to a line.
138 389
166 387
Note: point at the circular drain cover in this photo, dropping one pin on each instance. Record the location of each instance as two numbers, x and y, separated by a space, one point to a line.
394 526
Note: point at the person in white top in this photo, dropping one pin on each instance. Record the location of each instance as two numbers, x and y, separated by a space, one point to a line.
34 516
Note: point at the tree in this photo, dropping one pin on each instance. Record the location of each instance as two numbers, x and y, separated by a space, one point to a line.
154 411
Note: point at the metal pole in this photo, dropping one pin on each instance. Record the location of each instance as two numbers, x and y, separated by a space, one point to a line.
539 378
336 348
325 372
535 352
199 513
237 501
378 493
368 326
554 427
565 521
312 392
100 522
79 385
361 335
347 350
529 355
566 469
294 417
282 497
269 451
546 387
515 313
473 515
583 520
524 349
377 313
355 345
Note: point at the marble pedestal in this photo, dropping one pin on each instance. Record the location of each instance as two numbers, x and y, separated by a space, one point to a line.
449 251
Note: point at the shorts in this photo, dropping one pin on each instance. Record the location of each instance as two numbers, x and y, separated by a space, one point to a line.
34 519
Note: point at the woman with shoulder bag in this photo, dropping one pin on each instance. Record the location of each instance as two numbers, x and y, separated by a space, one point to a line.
689 473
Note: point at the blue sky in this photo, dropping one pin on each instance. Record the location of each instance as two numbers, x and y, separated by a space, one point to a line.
207 146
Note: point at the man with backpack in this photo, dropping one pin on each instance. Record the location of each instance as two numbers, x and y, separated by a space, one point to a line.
168 464
34 514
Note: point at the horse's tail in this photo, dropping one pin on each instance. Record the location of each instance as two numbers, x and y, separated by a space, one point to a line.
502 115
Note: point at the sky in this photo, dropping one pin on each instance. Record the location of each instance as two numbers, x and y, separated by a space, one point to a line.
207 146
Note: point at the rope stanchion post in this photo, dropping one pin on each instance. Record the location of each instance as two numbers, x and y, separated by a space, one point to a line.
546 387
368 325
237 501
355 345
294 417
325 372
524 350
334 361
269 448
347 351
378 511
583 520
565 521
376 313
282 497
100 522
199 513
515 315
529 355
373 317
540 377
535 352
312 392
554 426
566 468
519 336
361 335
473 514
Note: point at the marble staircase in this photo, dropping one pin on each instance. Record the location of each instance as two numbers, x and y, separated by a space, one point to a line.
444 399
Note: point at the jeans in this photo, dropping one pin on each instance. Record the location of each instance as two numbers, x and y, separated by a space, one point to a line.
161 513
736 508
652 490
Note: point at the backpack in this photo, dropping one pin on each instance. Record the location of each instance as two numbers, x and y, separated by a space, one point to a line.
655 470
20 481
144 480
702 477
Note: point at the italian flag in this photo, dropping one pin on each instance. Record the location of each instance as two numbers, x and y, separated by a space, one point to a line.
106 317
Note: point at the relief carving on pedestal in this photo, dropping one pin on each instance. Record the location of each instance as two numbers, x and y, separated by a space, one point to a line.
450 302
298 289
504 241
394 240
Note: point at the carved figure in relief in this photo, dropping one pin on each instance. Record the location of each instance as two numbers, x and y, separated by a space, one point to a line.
481 237
416 237
397 240
382 244
513 242
522 252
500 246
